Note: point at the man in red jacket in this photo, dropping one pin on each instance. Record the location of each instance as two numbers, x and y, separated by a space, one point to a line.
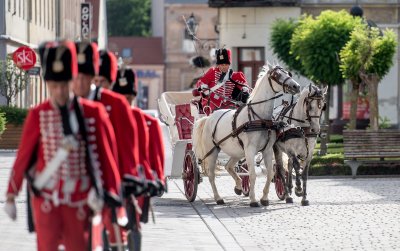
151 140
104 80
220 86
123 126
65 151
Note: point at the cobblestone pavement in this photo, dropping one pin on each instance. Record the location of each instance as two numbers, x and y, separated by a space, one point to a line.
344 214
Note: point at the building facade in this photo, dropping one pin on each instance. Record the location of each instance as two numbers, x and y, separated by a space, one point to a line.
28 23
145 57
168 21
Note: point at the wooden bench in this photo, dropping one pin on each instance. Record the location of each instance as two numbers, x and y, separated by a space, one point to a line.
376 148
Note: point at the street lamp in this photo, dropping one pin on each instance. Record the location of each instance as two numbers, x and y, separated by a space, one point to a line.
192 25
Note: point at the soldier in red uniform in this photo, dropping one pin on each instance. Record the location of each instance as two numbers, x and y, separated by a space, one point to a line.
65 152
104 80
220 86
151 140
123 125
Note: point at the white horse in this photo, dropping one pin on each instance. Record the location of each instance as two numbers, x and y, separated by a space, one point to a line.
304 114
218 131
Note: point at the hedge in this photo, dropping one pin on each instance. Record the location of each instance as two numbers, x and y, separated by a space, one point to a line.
14 115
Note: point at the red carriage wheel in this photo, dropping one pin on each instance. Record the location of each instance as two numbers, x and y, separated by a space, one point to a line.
280 185
190 175
245 179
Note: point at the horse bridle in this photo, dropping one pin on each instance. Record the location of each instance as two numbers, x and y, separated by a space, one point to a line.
275 75
317 96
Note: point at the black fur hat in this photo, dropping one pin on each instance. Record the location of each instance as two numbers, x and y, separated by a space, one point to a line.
223 56
88 58
58 60
126 83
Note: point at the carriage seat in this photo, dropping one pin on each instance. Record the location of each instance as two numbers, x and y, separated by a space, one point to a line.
184 121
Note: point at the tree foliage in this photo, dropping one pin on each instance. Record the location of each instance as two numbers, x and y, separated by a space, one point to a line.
129 17
12 79
281 34
316 43
368 55
2 123
369 52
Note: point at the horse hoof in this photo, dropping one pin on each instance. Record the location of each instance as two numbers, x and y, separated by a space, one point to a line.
289 200
254 204
220 202
238 191
246 194
265 203
298 192
305 203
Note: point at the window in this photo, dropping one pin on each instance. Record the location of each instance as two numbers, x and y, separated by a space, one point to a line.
126 53
251 59
51 15
35 10
15 7
40 12
9 5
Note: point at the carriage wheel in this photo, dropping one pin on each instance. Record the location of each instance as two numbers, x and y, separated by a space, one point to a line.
190 175
245 179
280 185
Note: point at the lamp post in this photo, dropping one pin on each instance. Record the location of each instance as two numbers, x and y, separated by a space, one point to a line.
192 25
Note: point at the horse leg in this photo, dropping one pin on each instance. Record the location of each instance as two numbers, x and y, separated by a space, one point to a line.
230 169
267 154
250 154
304 175
290 176
296 165
211 164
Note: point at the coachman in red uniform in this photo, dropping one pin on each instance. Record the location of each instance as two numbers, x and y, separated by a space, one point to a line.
220 85
65 151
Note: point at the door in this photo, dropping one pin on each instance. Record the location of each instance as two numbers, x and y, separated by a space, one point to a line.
250 61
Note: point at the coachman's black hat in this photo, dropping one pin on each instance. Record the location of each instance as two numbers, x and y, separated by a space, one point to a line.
126 82
88 58
58 60
223 56
108 65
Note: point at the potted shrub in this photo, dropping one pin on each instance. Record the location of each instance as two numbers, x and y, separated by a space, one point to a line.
14 118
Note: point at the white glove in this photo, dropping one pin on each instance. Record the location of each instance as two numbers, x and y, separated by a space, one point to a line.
94 202
245 89
11 210
204 86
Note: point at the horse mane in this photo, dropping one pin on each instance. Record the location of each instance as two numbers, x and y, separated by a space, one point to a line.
303 96
261 75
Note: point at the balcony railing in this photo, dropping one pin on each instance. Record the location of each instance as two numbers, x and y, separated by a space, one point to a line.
252 3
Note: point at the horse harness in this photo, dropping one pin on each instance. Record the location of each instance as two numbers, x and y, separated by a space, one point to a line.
249 126
252 125
318 96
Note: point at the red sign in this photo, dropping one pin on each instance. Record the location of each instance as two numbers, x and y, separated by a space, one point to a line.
362 109
24 57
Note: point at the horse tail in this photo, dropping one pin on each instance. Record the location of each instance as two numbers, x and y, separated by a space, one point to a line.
198 145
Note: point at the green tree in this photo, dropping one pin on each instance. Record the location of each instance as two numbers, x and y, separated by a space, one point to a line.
316 43
12 79
281 34
2 123
369 55
129 17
